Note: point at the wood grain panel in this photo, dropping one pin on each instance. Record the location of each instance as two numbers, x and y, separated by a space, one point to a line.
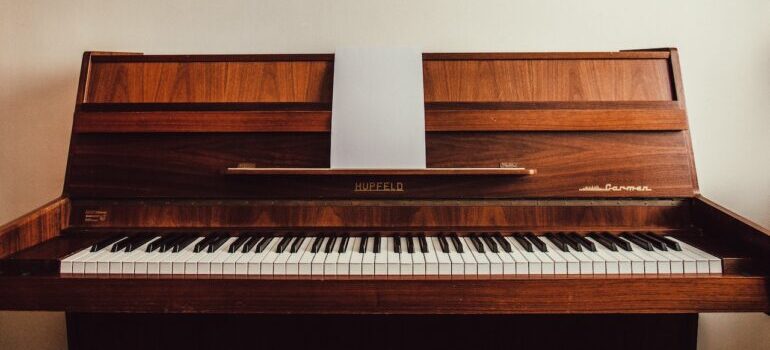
192 166
676 294
200 82
36 227
547 80
419 215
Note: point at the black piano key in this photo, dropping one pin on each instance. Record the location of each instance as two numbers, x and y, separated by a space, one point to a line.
636 240
584 242
251 242
623 244
317 244
556 241
297 244
423 244
283 244
377 244
139 241
477 244
183 242
159 243
106 242
409 244
343 244
217 243
362 244
330 244
571 242
673 245
263 244
537 242
503 242
443 243
604 241
204 243
169 244
397 244
456 242
659 244
524 243
490 243
238 243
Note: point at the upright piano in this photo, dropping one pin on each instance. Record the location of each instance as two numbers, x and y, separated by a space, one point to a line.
559 207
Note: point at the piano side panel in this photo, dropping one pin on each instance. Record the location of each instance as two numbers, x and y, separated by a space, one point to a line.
35 227
181 165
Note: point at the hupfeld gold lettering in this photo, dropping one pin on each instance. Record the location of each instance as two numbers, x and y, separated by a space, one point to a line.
379 186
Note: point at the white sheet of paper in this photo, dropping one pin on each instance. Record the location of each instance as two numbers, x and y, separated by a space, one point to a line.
378 109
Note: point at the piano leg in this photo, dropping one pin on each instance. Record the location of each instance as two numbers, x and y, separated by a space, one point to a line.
172 331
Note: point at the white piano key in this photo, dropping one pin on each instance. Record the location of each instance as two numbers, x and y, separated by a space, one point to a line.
405 258
267 265
305 264
559 263
317 266
368 258
533 263
443 262
92 261
381 258
458 264
343 262
293 263
330 262
495 260
394 261
521 263
65 266
571 265
714 263
480 261
179 260
204 265
154 261
547 265
216 265
356 257
236 262
586 263
612 262
650 263
255 263
689 264
129 262
507 262
431 261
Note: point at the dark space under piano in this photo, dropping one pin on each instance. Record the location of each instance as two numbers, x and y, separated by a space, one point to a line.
565 150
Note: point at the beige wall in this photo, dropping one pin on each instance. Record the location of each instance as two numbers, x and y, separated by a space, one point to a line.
724 47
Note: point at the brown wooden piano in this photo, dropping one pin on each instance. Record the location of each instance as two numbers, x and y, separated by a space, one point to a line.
559 207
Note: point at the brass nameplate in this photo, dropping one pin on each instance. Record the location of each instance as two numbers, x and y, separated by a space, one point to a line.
615 188
95 216
378 186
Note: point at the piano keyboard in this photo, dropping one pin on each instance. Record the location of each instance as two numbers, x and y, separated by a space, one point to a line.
395 255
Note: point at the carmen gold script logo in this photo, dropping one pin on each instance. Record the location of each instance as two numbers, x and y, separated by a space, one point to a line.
615 188
378 186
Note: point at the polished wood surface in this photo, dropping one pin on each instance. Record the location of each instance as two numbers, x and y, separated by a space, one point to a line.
674 294
130 166
412 214
34 228
250 170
